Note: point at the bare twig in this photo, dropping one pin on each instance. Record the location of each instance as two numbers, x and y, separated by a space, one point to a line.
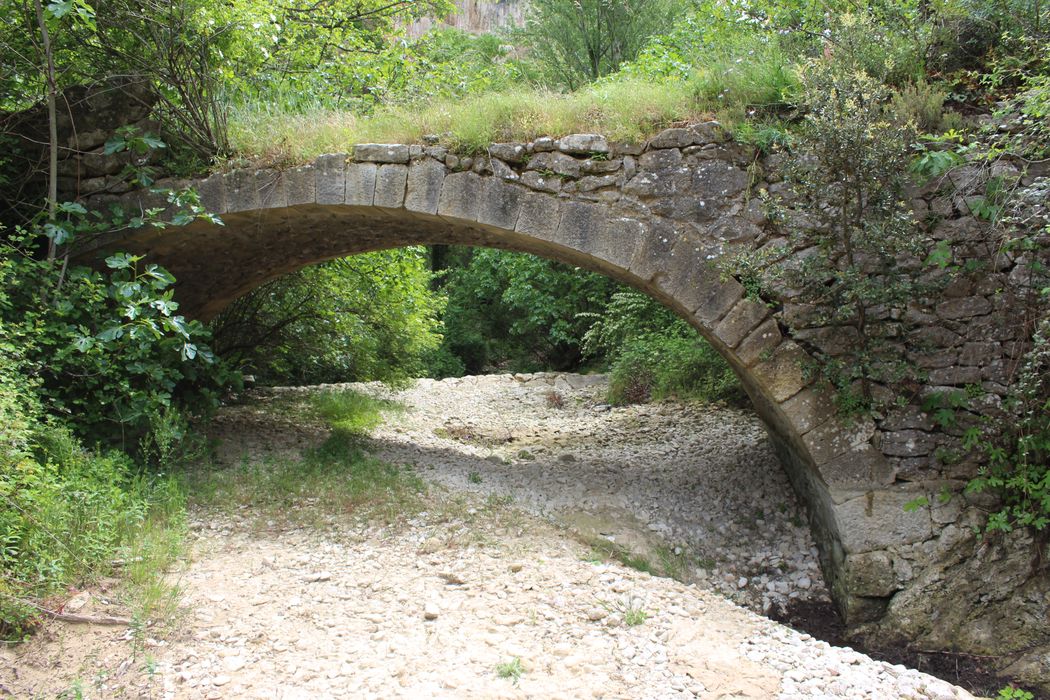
85 619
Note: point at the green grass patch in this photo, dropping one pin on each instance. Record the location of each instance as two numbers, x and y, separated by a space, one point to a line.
351 412
626 110
336 478
333 479
511 670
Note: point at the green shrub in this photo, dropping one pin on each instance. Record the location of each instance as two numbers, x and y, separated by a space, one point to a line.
921 104
65 513
366 317
519 311
108 348
657 367
579 42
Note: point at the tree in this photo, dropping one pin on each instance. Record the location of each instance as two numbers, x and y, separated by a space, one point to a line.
583 40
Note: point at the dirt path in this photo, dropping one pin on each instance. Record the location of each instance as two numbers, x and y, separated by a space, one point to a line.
477 597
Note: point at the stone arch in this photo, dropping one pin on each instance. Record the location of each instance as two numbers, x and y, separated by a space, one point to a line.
393 195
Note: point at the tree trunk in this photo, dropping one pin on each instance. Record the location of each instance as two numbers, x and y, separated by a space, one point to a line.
52 93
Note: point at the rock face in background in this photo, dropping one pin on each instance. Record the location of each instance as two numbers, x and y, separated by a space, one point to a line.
87 116
658 216
476 17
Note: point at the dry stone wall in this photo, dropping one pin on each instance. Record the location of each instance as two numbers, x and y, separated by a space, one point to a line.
660 216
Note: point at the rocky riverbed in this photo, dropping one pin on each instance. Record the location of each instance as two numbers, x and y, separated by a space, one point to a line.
501 586
693 488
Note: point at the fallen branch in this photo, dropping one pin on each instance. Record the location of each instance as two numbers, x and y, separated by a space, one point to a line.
83 619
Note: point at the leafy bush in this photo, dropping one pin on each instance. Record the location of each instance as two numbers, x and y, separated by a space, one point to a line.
109 350
657 367
65 513
579 42
653 354
519 311
367 317
350 412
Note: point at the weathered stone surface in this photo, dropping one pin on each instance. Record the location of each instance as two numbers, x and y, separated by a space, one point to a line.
871 574
579 224
556 163
583 144
538 218
509 152
781 376
425 178
590 183
381 153
390 186
673 138
740 321
543 144
808 409
272 193
965 307
460 196
877 520
861 468
975 354
836 436
212 192
502 170
907 443
759 342
500 204
660 160
540 182
300 185
955 376
330 179
600 167
361 184
241 191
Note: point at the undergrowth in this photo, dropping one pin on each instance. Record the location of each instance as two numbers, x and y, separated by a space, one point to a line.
658 367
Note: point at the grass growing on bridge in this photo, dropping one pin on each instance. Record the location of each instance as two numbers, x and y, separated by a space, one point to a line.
627 110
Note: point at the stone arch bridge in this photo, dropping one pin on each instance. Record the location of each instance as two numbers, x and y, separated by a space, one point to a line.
656 216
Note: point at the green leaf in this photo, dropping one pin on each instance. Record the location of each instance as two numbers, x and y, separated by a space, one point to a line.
59 234
115 144
121 261
59 9
111 333
152 141
940 256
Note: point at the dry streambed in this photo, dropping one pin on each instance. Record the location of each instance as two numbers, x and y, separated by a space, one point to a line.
484 594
